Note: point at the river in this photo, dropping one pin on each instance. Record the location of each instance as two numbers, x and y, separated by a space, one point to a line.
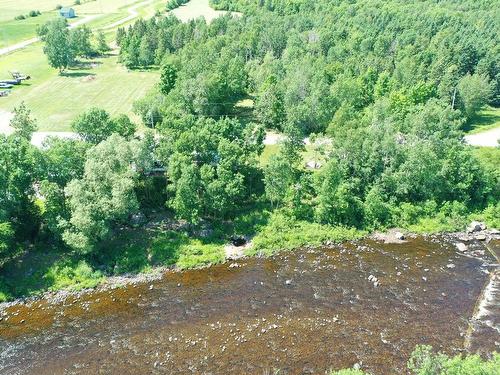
301 312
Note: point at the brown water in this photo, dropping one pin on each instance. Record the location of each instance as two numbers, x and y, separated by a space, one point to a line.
302 312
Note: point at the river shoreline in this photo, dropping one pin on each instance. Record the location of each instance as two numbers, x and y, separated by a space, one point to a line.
365 302
391 236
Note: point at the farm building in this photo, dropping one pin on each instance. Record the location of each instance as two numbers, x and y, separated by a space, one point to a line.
67 12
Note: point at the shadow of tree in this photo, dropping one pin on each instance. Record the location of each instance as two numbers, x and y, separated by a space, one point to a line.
483 119
76 74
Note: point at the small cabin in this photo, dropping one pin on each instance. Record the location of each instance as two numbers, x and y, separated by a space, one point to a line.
67 12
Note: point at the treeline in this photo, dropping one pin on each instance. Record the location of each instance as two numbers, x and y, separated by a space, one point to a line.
78 192
304 67
391 91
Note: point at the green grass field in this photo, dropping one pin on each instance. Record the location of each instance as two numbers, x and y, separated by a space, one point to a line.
15 31
56 100
12 8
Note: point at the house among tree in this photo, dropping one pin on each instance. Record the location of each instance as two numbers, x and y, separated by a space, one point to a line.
67 12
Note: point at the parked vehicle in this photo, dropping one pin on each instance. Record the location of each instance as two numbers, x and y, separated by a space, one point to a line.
17 75
11 81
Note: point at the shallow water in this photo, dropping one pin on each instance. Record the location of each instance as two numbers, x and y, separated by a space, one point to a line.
301 312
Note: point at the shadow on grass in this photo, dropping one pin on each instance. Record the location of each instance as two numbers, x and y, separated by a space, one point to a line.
29 274
76 74
486 119
137 250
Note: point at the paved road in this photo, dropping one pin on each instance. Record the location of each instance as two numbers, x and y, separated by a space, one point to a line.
15 47
488 138
132 11
198 8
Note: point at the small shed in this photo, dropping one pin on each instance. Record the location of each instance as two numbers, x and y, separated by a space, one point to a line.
67 12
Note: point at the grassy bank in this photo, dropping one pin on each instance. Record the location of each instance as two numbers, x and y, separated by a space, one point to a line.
165 242
162 242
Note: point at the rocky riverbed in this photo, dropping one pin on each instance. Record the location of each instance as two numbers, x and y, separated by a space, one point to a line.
367 303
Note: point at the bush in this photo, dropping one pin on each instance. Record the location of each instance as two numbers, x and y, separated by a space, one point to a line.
74 276
424 362
20 17
34 13
6 240
77 2
58 6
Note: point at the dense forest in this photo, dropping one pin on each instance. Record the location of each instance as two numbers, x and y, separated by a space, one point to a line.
390 85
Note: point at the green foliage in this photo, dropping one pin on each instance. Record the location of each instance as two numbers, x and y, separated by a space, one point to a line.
279 176
212 167
80 41
167 78
63 159
197 254
54 211
123 126
22 122
32 13
6 240
72 276
104 197
475 92
102 45
148 109
270 106
18 172
424 362
58 47
172 4
95 125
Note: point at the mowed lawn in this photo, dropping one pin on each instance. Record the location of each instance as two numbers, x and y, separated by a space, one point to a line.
12 8
15 31
56 100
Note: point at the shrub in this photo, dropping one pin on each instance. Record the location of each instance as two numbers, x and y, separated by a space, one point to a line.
74 276
20 17
424 362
